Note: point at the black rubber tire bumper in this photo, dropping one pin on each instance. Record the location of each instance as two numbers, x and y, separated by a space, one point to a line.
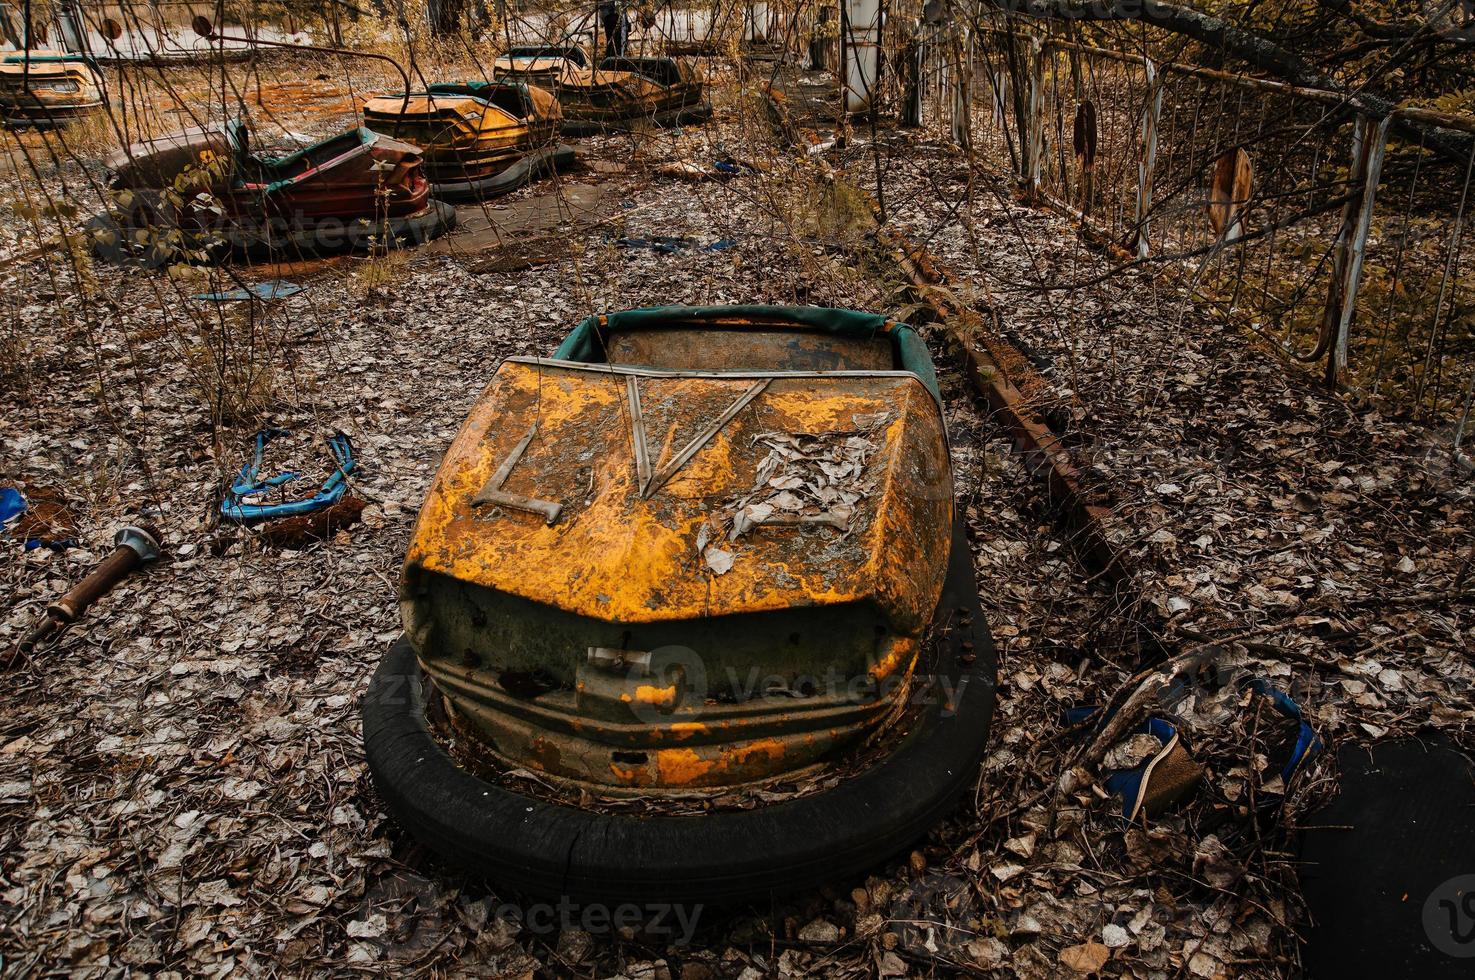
523 172
548 849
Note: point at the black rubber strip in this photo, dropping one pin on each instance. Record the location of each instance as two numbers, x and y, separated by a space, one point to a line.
520 173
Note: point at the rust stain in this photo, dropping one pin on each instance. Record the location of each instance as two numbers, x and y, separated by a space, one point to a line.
614 556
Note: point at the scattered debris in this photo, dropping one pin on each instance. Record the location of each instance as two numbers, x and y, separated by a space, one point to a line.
270 289
243 504
667 245
41 517
320 525
133 547
691 171
519 256
807 478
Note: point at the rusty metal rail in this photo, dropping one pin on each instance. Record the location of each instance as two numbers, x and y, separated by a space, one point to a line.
999 373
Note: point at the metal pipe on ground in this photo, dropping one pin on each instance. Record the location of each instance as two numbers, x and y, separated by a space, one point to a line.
133 548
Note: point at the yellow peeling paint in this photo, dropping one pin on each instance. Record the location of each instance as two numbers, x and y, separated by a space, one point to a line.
686 767
682 767
660 697
616 557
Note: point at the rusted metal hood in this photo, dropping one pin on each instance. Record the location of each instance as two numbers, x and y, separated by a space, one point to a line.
754 492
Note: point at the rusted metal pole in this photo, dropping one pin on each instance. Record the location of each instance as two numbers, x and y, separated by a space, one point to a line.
1146 166
133 547
1369 140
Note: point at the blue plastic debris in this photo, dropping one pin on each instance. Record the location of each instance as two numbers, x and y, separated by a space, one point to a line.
659 243
1308 744
12 504
270 289
238 508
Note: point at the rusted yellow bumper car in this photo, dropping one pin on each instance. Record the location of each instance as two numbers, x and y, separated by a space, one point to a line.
46 89
689 613
617 95
480 139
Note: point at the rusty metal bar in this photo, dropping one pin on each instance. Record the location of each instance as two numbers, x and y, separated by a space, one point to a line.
637 433
1369 140
505 470
702 438
824 518
133 547
546 509
493 493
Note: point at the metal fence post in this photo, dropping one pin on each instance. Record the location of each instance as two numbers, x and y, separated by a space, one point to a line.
1147 164
1369 140
1034 155
962 87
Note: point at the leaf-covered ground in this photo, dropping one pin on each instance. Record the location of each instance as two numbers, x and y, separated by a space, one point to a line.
182 785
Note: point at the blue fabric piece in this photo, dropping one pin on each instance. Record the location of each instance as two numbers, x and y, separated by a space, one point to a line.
236 509
1128 783
33 543
12 504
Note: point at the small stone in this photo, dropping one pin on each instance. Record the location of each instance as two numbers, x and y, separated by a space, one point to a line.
820 931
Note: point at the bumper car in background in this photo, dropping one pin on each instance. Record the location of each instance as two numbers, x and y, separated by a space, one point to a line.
46 89
479 139
203 194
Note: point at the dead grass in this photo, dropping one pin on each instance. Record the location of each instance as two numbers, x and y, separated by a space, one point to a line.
380 271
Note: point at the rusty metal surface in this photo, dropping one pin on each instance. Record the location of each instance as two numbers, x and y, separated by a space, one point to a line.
462 137
627 731
357 174
705 349
495 595
614 555
48 89
595 95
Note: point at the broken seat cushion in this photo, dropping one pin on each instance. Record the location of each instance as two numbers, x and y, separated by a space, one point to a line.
1382 865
